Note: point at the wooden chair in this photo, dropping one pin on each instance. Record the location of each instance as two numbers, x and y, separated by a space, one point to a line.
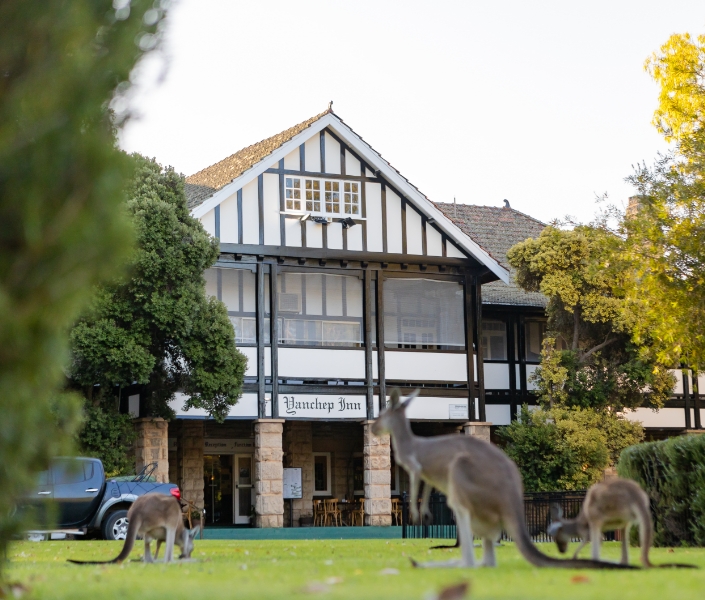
357 514
396 511
333 514
319 513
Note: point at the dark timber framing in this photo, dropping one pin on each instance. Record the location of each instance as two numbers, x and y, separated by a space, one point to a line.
403 225
260 204
384 218
469 340
239 216
282 205
477 287
686 397
274 335
369 382
696 401
323 150
261 402
216 214
381 371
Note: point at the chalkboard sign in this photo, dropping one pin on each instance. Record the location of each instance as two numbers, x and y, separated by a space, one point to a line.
292 483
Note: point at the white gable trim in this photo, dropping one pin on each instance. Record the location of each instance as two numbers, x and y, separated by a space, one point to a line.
374 160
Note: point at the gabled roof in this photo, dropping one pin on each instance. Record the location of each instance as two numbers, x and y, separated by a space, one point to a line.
207 188
497 230
202 185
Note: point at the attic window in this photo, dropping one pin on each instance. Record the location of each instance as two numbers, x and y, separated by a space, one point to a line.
293 193
323 196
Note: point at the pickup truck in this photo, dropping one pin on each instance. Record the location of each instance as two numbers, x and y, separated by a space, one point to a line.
84 502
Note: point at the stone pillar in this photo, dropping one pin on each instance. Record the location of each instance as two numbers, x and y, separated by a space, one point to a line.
152 445
190 457
378 477
478 429
269 474
298 442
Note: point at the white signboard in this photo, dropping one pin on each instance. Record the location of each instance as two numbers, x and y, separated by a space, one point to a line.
292 483
225 446
458 411
323 407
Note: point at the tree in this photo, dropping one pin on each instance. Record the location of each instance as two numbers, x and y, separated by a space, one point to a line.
664 240
597 365
62 228
156 326
566 448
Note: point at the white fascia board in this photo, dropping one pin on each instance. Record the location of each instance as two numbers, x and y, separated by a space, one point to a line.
421 202
255 171
374 160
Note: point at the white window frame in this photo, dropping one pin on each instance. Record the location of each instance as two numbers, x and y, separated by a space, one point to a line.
323 212
327 491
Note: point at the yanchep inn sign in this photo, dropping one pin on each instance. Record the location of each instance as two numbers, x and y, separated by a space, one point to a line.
322 407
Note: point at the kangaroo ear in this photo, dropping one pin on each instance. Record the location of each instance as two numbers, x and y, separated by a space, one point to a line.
194 532
410 398
556 512
394 397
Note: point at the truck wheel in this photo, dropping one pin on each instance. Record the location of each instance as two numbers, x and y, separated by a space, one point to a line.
115 526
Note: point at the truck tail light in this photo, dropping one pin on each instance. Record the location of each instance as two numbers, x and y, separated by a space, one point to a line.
176 492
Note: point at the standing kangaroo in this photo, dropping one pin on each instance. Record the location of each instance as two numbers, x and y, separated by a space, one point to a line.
482 484
155 517
609 505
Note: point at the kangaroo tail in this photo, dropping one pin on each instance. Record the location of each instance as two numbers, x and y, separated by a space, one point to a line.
130 538
676 566
517 530
646 529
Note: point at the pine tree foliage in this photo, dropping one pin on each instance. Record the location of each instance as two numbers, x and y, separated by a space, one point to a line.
62 225
156 326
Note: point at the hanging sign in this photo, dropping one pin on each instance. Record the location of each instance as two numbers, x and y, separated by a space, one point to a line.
292 487
458 411
322 407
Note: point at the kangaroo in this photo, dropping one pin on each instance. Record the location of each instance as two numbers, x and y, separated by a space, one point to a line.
609 505
482 484
155 517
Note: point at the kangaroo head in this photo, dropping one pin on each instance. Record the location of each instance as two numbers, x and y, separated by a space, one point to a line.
557 529
395 411
188 536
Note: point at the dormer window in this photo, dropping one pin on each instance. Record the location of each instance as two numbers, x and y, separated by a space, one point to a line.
322 196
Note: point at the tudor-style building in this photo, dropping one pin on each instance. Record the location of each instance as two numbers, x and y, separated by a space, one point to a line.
341 279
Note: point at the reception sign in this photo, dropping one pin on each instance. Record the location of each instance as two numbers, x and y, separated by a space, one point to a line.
322 407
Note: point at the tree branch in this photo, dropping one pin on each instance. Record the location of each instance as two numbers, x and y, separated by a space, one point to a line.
607 342
576 323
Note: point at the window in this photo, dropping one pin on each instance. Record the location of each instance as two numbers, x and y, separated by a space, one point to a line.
293 193
322 196
321 474
71 471
534 332
494 340
423 314
352 198
237 288
313 195
317 309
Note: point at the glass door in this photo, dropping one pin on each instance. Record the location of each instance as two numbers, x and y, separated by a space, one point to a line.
218 489
243 488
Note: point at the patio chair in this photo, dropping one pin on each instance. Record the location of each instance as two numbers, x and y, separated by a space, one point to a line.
358 514
319 513
333 514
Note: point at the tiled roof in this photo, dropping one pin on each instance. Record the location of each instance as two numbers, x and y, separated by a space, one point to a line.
202 185
496 230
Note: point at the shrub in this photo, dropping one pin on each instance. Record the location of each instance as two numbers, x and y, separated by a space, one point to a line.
673 474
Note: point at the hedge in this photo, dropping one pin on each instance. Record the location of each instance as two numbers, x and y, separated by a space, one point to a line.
673 474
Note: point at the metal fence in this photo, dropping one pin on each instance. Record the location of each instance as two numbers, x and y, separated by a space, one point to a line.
537 511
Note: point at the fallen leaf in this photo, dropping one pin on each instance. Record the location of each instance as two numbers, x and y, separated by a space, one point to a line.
580 579
315 587
671 550
389 572
454 592
334 580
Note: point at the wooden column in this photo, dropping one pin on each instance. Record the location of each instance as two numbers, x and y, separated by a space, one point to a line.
369 382
511 359
380 342
686 397
261 404
274 335
696 401
478 346
470 342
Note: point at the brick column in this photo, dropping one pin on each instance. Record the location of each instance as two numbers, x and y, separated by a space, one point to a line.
298 442
478 429
190 457
269 504
152 445
378 477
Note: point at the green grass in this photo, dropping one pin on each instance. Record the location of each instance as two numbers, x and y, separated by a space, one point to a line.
333 569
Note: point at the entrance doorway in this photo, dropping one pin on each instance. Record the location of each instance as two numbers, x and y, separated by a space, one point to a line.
218 489
244 497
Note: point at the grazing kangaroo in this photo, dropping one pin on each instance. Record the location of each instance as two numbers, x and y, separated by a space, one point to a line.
155 517
482 484
609 505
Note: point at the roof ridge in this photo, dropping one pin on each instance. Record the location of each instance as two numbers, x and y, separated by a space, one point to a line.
496 208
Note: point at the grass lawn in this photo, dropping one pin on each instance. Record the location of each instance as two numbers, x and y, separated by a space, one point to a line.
356 569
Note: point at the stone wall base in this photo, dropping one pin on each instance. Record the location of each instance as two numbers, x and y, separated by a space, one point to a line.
152 445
